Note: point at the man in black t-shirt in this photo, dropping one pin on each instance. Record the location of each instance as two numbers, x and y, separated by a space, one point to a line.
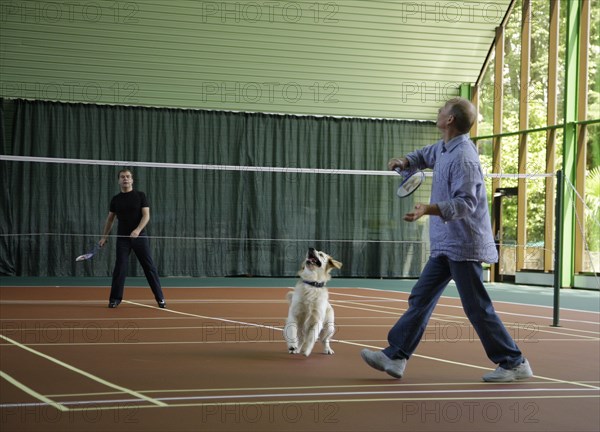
133 212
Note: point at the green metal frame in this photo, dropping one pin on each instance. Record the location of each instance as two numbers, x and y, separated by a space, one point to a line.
565 262
567 233
533 130
465 91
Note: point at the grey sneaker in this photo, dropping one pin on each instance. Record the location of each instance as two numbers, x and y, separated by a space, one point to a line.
523 371
379 361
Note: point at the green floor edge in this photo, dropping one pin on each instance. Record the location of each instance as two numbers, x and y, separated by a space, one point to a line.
585 300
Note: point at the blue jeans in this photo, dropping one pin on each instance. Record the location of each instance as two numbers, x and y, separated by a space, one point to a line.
406 334
141 248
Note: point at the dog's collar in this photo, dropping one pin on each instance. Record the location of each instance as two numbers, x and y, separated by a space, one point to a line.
315 284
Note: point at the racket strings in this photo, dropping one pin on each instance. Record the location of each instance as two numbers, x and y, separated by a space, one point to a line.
411 181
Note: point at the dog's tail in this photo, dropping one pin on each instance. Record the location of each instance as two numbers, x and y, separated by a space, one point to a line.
289 296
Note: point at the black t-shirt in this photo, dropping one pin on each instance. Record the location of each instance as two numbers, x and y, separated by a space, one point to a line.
128 208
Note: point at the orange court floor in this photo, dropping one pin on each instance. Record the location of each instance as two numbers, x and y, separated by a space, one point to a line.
215 360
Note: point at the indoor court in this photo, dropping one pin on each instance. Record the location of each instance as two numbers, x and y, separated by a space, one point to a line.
370 151
215 360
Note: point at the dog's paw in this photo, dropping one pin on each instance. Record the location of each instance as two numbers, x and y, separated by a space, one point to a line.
328 351
292 350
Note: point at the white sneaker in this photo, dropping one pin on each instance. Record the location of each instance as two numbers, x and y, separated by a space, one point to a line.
379 361
523 371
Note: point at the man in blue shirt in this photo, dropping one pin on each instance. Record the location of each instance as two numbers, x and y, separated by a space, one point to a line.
461 239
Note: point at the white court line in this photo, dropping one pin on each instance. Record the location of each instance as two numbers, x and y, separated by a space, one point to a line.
383 290
203 316
347 342
172 399
341 341
33 393
331 291
515 326
464 320
574 383
395 314
84 373
279 402
484 368
372 393
460 307
384 384
462 317
180 301
88 319
217 342
246 399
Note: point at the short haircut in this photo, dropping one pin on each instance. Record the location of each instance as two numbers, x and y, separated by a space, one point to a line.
464 113
124 170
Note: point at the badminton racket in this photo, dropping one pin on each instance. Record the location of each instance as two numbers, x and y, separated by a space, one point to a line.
410 182
88 255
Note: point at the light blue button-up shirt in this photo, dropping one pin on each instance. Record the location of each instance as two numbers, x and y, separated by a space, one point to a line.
464 231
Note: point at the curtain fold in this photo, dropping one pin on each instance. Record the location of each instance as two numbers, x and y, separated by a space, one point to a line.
210 223
7 252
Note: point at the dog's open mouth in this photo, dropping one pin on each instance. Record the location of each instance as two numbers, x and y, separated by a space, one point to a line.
312 259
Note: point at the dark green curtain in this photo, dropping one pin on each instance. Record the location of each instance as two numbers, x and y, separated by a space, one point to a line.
205 222
7 257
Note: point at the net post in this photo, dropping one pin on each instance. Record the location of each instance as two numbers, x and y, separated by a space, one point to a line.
557 248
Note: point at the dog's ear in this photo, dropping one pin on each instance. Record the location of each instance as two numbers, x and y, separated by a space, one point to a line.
334 264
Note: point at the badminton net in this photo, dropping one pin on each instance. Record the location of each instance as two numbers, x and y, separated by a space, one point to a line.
219 220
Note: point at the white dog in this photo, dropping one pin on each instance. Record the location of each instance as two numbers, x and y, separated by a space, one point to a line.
310 316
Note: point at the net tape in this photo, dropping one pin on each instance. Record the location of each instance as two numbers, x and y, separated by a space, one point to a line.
134 164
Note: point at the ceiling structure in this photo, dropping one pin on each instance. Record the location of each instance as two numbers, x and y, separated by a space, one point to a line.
383 59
